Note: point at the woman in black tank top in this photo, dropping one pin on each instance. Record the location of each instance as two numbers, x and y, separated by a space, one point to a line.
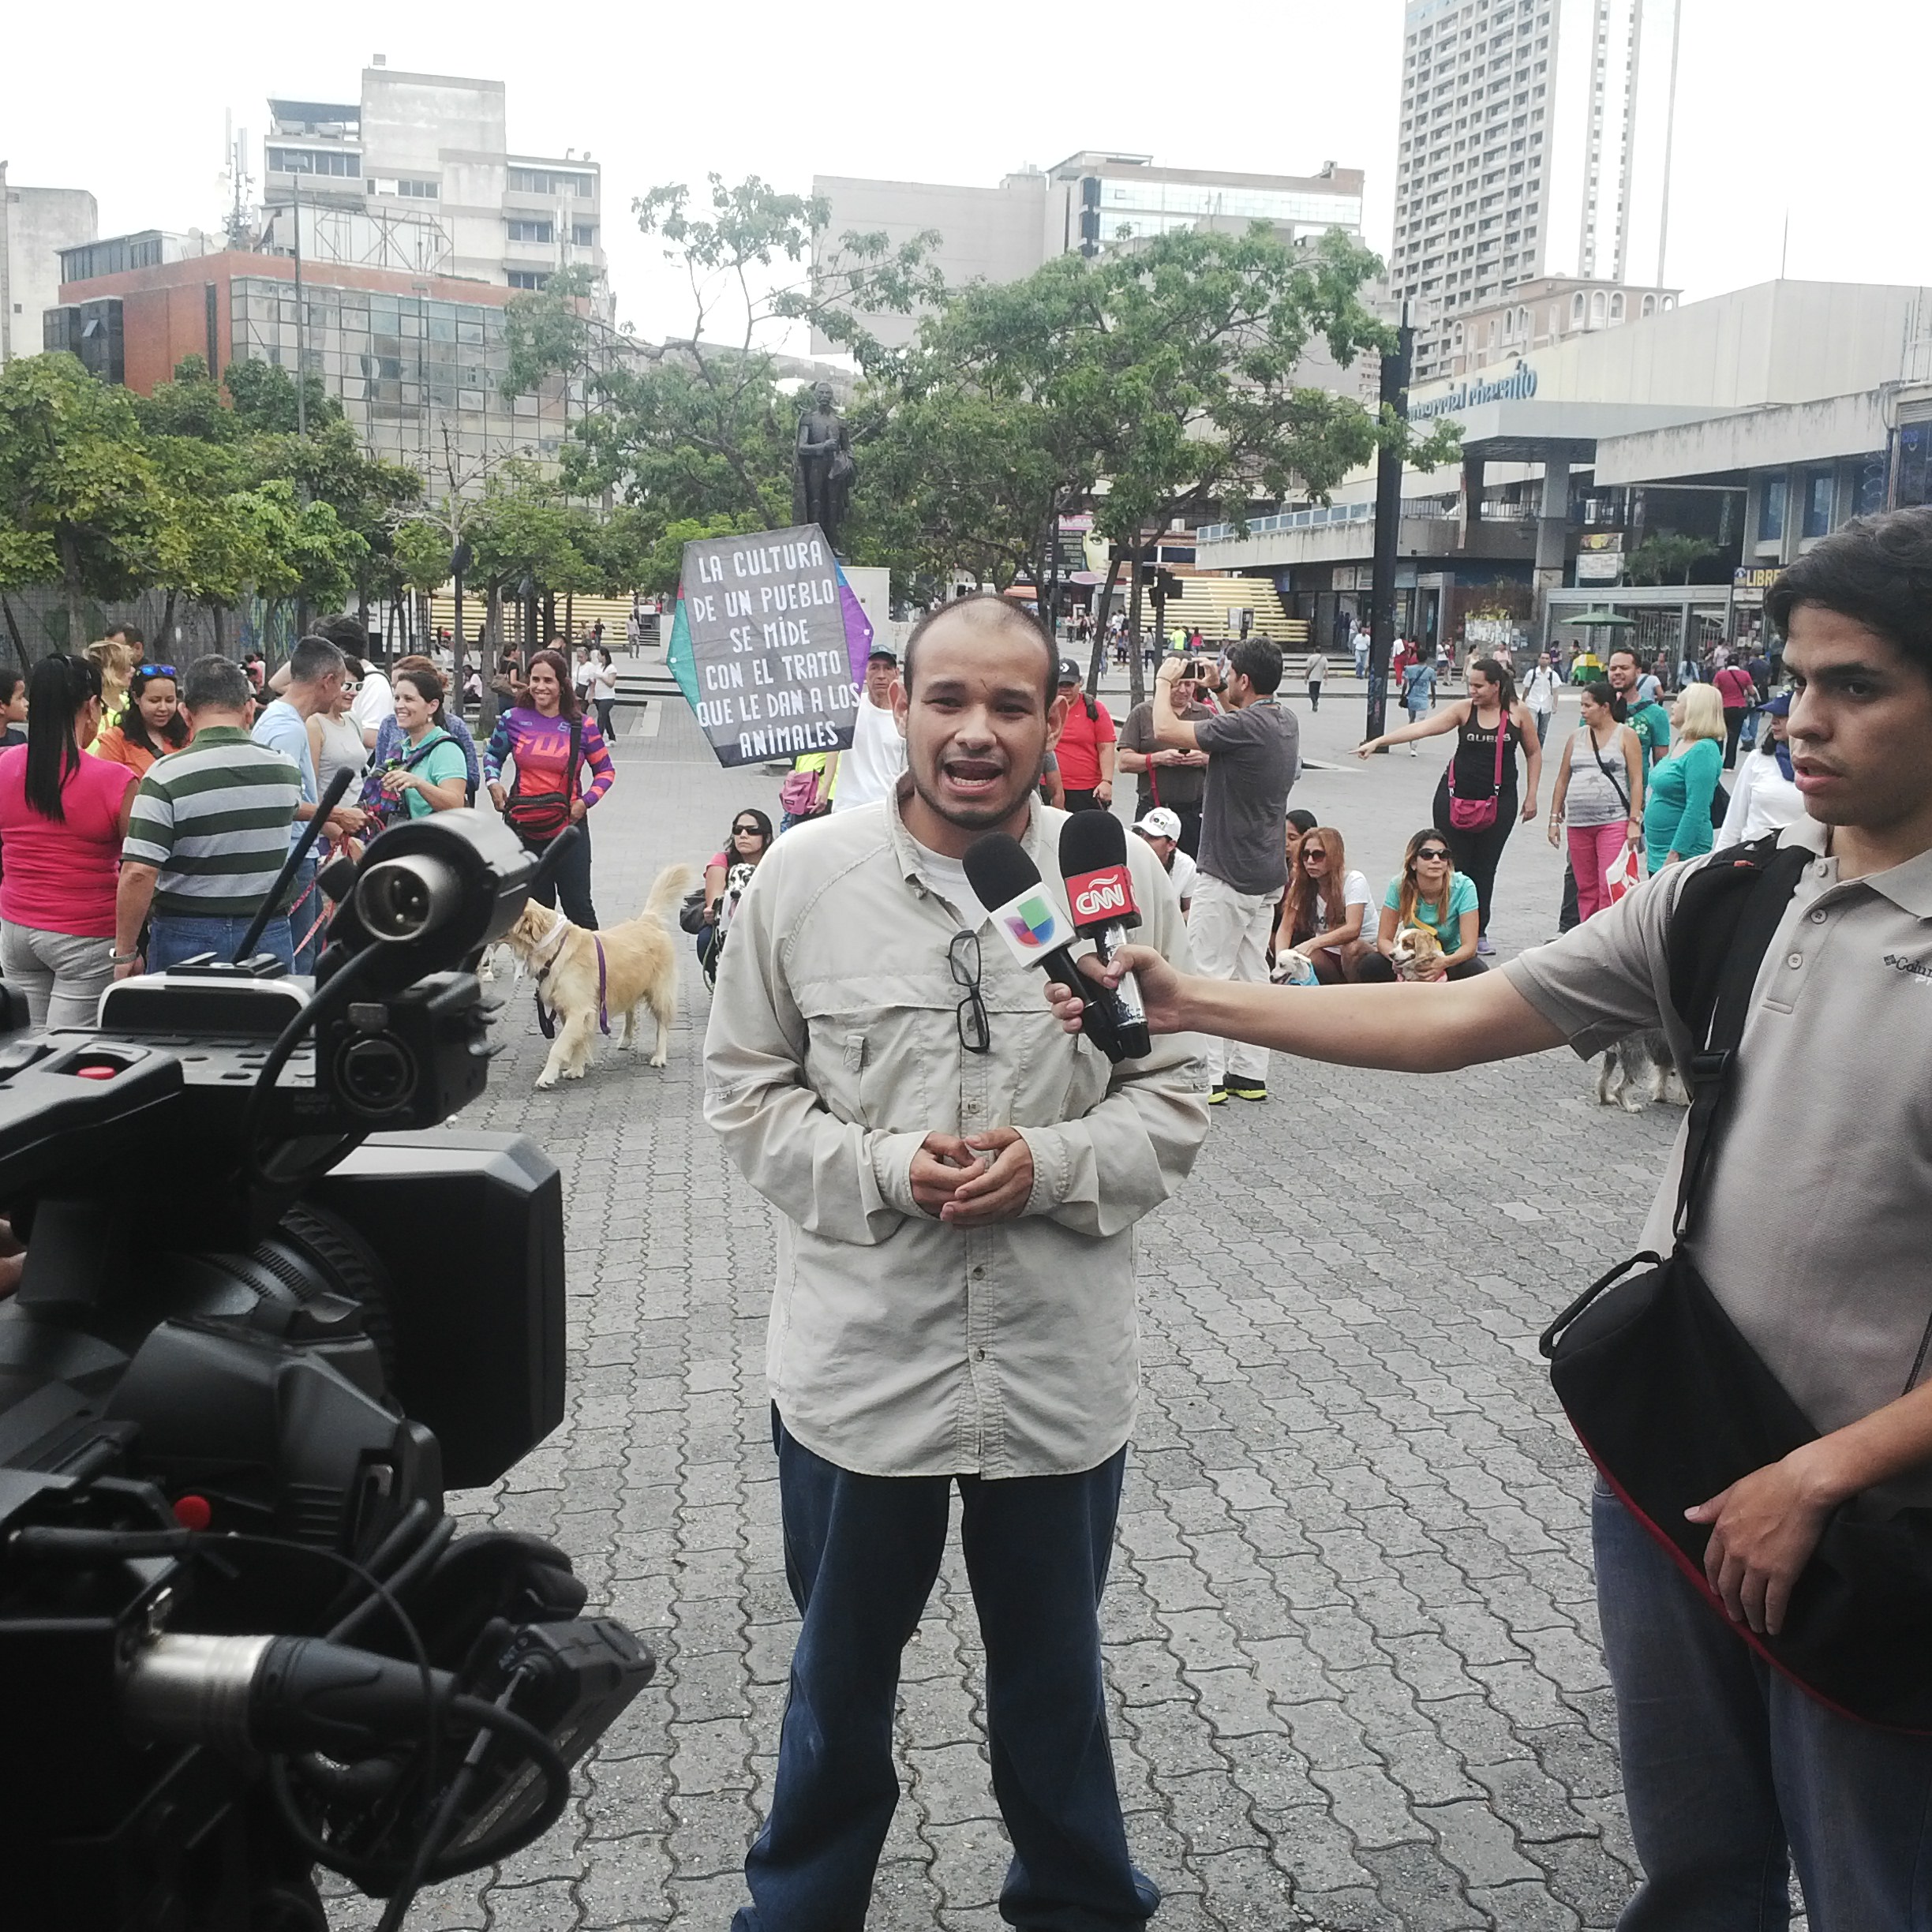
1492 706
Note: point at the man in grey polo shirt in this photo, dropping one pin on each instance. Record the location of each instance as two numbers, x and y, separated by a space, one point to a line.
1812 1235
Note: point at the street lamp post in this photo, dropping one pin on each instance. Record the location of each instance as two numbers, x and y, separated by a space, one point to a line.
459 562
1395 396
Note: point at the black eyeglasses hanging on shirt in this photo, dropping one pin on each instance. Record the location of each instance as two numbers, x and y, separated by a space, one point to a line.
975 1031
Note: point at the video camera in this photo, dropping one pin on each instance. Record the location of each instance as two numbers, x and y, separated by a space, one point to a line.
264 1317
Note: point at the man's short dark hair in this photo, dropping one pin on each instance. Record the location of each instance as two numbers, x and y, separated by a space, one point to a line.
1877 571
215 684
998 612
1259 660
313 659
1624 650
344 632
128 634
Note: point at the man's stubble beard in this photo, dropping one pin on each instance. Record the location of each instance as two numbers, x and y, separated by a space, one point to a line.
988 818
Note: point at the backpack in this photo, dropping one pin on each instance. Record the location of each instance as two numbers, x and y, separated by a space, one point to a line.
377 802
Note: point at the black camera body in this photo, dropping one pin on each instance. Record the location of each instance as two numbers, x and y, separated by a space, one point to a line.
270 1306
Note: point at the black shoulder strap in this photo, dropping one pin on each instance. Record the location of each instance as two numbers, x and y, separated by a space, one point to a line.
1719 932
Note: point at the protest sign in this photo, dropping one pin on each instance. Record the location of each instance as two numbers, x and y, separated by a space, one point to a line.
770 645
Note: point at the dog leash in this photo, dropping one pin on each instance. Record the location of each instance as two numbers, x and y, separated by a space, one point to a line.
545 1021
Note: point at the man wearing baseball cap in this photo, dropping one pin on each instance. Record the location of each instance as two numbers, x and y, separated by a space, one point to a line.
872 768
1085 746
1764 794
1161 828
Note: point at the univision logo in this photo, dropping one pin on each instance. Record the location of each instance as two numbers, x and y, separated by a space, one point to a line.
1031 921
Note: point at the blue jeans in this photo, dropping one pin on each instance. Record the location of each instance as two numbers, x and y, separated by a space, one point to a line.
172 939
861 1555
1732 1775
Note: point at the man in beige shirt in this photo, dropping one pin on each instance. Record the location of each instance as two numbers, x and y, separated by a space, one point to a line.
958 1183
1810 1232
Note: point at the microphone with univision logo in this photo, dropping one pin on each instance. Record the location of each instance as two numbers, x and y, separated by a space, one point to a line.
1037 933
1099 888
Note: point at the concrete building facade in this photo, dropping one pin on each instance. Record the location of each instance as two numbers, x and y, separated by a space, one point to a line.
1092 201
1535 141
424 161
1756 422
36 224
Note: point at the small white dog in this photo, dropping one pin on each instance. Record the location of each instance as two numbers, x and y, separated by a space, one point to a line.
1293 967
583 978
1414 945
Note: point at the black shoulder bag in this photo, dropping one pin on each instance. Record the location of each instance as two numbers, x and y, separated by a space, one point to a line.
1673 1404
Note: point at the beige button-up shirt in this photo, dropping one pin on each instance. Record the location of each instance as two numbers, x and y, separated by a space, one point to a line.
899 1346
1816 1233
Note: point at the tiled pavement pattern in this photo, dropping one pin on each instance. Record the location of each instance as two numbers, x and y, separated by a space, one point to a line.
1352 1642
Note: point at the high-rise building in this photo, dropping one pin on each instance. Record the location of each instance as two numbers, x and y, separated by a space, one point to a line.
418 175
1535 143
1092 201
36 224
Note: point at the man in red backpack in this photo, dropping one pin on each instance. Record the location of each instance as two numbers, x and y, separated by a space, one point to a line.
1809 1236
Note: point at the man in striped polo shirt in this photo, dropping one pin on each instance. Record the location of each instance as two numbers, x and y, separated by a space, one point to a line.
208 834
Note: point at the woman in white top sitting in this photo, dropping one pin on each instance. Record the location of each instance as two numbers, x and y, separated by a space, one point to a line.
1764 795
1324 909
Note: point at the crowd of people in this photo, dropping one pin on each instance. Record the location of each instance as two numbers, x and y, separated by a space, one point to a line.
147 810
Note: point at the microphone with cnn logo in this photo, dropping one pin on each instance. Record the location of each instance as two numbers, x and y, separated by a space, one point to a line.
1099 888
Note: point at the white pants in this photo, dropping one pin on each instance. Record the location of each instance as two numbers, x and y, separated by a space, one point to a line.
62 975
1229 932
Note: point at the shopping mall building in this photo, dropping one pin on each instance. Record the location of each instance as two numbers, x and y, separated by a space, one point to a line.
1754 422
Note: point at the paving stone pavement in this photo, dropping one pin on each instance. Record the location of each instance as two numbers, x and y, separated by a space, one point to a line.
1351 1639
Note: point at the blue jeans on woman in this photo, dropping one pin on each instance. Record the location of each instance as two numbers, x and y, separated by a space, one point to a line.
1732 1775
172 938
861 1555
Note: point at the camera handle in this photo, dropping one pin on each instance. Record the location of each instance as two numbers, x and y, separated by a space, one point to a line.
292 864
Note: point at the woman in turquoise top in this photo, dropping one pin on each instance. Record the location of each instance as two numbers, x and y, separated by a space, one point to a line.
1428 891
1677 801
432 774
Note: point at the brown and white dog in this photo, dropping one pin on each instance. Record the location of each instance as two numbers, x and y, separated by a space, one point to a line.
1415 947
584 978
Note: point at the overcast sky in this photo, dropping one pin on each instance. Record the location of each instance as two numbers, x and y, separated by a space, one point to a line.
1782 105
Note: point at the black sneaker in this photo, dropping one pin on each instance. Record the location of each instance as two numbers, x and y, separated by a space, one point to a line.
1247 1090
1216 1095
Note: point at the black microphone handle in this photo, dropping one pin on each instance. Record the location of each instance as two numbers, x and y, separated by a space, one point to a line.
1101 1021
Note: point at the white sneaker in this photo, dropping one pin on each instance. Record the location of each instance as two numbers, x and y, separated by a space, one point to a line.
1413 752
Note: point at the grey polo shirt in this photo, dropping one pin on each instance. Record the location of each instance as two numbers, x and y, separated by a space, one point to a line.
1814 1233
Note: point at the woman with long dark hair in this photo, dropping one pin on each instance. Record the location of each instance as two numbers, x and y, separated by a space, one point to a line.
1476 802
151 725
726 876
1325 913
62 818
549 741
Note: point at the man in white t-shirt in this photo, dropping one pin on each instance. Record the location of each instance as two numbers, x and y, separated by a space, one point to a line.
1161 828
868 772
374 701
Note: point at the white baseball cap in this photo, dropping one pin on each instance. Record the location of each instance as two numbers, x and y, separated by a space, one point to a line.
1160 823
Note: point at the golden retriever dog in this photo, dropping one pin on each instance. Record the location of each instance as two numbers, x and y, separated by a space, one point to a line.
639 969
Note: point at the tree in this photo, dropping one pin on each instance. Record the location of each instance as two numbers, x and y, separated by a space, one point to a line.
80 504
1667 557
701 426
264 395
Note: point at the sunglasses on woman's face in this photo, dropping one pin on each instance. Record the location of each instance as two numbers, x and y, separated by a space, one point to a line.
1312 852
155 670
1430 854
747 831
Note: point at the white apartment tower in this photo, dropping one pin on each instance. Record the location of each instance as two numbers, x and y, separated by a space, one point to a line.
419 174
1535 142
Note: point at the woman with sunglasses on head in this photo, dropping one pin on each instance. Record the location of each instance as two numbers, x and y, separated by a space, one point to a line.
1428 891
334 738
549 741
151 726
63 817
1325 909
